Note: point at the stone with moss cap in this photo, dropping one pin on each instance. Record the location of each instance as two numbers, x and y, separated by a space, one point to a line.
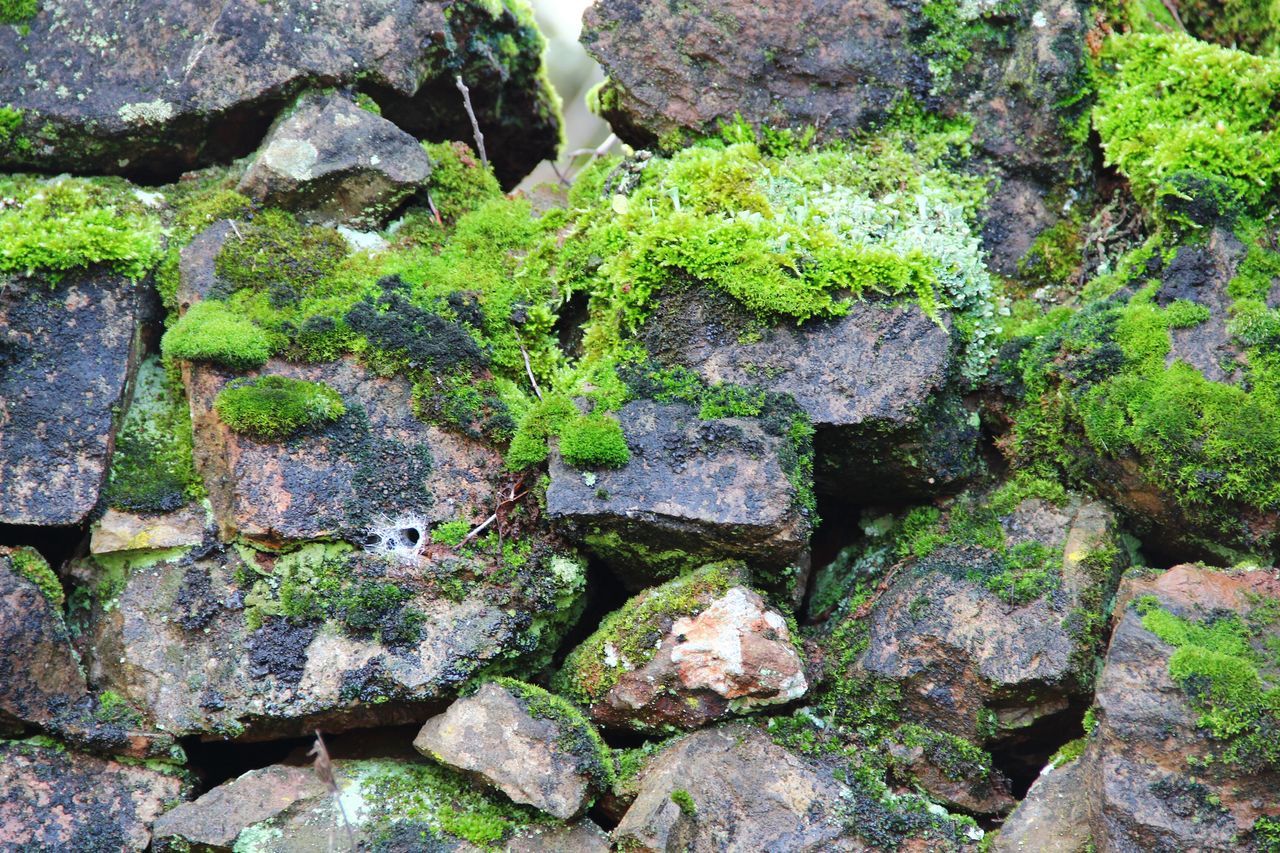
532 745
199 84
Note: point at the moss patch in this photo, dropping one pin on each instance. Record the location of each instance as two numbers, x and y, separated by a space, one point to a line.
18 11
592 441
31 565
212 332
275 407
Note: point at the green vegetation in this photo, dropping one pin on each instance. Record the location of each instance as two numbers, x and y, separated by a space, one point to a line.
212 332
627 638
577 735
275 407
684 800
1266 834
64 224
1068 752
28 562
1170 105
115 709
459 183
1251 25
1229 677
594 440
18 11
152 469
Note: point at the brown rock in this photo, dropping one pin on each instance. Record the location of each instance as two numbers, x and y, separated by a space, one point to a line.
65 358
214 821
1053 818
988 795
128 531
333 161
53 799
497 736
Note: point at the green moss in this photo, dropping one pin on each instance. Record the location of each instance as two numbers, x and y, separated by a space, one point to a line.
1169 104
152 469
451 533
275 407
63 224
459 183
10 125
626 638
1068 752
212 332
684 800
114 709
577 735
281 256
1225 673
31 565
1246 24
1266 834
595 440
543 420
956 758
368 104
18 11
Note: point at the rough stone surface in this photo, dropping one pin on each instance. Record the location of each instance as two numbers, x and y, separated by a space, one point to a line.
331 160
748 793
844 66
955 649
376 466
128 531
57 414
877 385
736 654
955 790
53 799
694 491
176 643
214 820
492 735
151 88
1142 796
1053 818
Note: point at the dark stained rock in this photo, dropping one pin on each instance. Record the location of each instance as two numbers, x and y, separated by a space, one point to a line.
526 746
152 89
334 161
694 491
962 640
973 793
377 468
878 386
54 799
744 792
67 350
1053 818
1200 274
846 66
1156 778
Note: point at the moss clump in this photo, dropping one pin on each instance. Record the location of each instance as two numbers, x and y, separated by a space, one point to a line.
64 224
31 565
576 734
1229 675
1068 752
10 125
1169 104
595 440
275 407
1250 25
459 183
280 256
18 11
212 332
684 800
954 757
627 638
546 418
152 469
114 709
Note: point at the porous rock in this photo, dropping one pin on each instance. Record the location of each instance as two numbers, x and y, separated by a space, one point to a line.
118 530
331 160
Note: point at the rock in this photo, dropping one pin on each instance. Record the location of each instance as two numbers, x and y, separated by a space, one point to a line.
214 820
1156 777
54 799
968 632
692 651
877 384
152 88
130 531
973 790
1053 818
693 491
378 470
228 641
57 414
534 747
846 67
333 161
732 788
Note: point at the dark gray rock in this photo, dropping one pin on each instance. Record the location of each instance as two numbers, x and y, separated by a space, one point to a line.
694 491
67 350
151 88
331 160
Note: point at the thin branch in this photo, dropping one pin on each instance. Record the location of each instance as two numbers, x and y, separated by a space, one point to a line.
471 114
323 767
474 533
529 368
431 204
239 236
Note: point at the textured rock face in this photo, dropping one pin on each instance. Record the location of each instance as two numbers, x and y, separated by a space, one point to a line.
958 651
1141 794
52 799
57 415
331 160
745 793
378 466
154 88
129 531
877 385
734 655
493 735
1053 818
177 642
693 491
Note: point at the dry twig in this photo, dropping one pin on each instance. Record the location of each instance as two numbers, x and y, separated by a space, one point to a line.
471 114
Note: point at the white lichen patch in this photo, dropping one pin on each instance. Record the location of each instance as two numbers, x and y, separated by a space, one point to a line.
147 112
